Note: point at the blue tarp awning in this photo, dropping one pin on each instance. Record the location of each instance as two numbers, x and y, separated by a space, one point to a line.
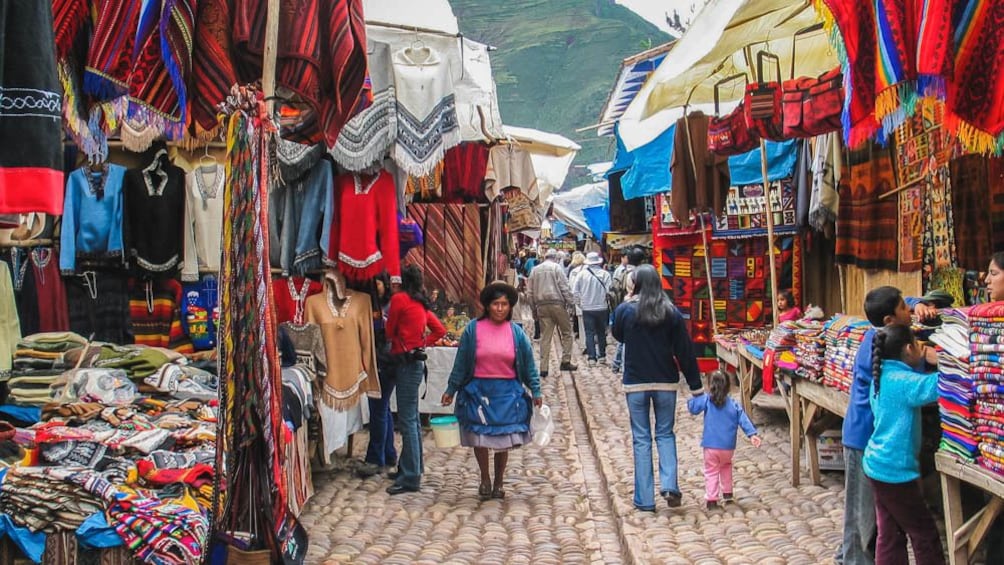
781 159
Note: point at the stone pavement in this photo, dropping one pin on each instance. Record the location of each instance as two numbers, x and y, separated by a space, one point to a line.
570 502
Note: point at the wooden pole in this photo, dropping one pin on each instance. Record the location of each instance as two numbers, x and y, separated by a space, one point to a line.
770 229
271 54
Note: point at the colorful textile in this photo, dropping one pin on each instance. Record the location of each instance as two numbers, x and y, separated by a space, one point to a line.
464 173
364 238
972 205
155 312
366 138
213 71
452 260
109 60
939 235
865 220
745 210
973 105
31 133
426 109
853 36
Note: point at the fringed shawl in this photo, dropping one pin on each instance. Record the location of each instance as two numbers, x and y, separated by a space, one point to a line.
68 18
161 65
109 60
369 135
975 105
426 109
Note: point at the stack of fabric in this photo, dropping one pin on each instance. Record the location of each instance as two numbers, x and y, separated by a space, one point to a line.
843 336
956 401
986 345
38 362
810 350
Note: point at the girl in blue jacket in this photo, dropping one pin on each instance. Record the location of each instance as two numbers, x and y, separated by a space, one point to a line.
722 416
891 461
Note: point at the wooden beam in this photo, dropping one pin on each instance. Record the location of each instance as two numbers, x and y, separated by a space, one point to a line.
271 54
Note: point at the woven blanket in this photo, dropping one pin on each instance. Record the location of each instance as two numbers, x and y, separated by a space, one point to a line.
866 222
973 105
970 190
426 109
213 71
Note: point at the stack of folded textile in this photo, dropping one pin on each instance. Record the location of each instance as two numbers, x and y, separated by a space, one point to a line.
38 361
810 349
956 400
843 336
985 364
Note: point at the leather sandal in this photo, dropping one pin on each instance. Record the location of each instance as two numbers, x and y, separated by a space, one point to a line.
484 491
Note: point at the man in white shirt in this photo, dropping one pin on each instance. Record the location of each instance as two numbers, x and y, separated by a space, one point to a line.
548 293
591 286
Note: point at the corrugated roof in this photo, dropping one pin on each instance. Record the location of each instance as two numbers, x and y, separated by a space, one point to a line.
634 71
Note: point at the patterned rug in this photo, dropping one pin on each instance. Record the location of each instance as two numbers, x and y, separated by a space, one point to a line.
865 220
451 257
740 292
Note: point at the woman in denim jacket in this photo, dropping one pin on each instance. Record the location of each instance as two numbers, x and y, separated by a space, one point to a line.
493 365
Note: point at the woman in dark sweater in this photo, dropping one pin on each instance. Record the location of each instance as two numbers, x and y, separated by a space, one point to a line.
656 349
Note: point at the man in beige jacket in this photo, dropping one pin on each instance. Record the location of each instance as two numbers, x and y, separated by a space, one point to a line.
551 298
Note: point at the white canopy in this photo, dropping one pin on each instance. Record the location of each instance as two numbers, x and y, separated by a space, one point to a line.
551 154
714 48
424 15
568 205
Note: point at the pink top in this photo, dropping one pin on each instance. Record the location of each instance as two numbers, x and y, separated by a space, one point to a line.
790 315
495 355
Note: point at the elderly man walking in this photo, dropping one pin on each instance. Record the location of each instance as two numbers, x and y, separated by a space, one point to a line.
551 298
591 287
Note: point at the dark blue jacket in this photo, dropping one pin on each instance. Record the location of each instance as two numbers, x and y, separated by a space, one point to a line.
655 356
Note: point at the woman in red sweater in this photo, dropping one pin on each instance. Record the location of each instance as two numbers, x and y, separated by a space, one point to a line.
408 318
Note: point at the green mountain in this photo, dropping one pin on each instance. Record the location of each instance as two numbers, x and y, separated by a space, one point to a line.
556 62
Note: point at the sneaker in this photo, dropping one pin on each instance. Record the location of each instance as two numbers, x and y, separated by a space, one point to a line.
726 497
712 504
673 499
567 366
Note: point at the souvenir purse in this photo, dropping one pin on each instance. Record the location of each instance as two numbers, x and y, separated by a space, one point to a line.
728 134
812 106
763 102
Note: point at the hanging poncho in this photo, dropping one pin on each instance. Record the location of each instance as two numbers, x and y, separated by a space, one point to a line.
368 136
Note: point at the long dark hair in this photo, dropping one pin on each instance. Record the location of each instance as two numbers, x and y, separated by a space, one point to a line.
889 344
653 304
412 284
718 388
998 259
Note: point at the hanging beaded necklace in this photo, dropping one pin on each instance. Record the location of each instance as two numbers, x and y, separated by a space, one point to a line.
299 298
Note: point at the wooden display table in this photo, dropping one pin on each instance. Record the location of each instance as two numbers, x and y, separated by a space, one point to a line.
805 401
750 377
965 535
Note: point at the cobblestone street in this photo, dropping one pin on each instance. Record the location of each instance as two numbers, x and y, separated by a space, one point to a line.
571 501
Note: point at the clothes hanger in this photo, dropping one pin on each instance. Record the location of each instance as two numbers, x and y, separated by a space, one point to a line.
207 162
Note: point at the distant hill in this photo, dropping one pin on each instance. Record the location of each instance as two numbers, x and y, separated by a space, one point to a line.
557 61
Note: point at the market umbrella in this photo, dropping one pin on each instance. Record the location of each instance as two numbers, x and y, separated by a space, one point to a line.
723 41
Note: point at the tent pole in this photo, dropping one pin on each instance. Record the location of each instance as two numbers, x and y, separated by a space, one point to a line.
770 228
704 231
271 51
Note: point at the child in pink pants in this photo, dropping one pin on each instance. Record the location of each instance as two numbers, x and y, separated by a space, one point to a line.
722 416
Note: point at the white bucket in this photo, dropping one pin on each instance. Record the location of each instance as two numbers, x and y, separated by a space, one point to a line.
446 431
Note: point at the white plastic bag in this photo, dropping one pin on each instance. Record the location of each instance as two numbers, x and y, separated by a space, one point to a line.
542 425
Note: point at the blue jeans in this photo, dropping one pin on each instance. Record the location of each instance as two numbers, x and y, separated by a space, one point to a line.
596 333
381 449
640 406
619 357
859 512
409 377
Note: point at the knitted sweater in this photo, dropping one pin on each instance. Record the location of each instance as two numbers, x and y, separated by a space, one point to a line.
347 331
364 236
92 216
154 211
203 229
655 357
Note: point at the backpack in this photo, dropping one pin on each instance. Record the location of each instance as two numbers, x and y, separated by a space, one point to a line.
618 289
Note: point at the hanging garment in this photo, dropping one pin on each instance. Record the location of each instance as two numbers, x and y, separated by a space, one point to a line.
509 165
109 59
464 170
154 211
203 227
700 178
368 136
364 236
200 312
858 48
10 329
321 58
92 220
300 210
38 289
98 303
827 164
347 330
291 295
971 209
155 313
426 110
213 71
31 132
309 347
973 106
162 65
